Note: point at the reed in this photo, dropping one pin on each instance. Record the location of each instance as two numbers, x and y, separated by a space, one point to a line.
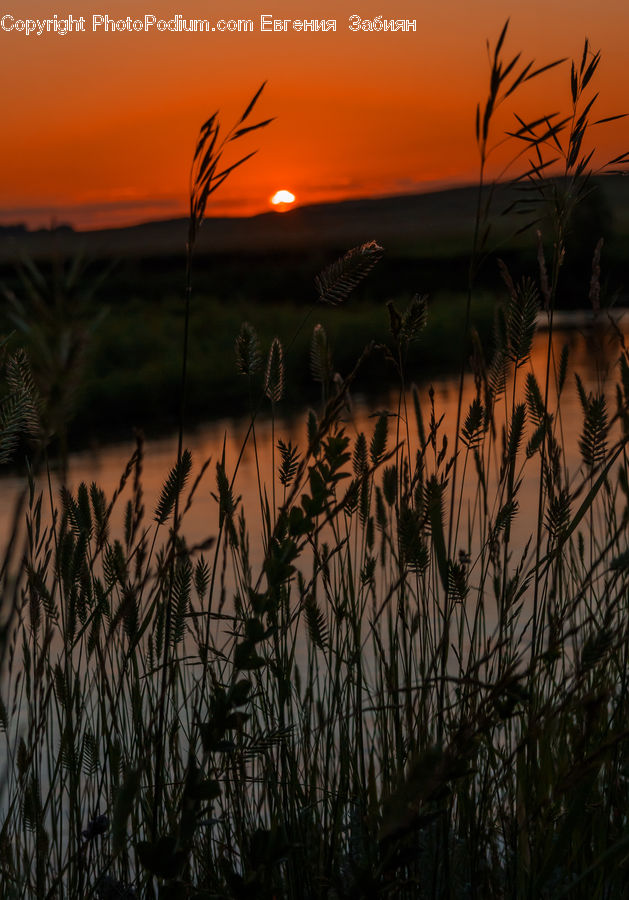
381 688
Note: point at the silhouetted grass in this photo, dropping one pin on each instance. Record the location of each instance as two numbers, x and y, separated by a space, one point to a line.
368 685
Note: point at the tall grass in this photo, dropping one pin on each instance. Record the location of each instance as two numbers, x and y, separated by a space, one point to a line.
391 694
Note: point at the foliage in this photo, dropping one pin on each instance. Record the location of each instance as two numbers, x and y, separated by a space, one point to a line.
391 696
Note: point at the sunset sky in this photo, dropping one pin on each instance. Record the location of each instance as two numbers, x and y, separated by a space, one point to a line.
99 128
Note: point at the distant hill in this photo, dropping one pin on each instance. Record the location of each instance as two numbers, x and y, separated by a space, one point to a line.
438 224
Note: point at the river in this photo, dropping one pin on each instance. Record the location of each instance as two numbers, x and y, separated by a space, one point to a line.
593 354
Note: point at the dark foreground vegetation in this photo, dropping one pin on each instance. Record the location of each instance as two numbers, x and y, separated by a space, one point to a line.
113 358
367 686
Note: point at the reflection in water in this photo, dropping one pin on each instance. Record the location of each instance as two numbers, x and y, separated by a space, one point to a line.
593 354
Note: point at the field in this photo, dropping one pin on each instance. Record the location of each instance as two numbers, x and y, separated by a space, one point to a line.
132 287
401 670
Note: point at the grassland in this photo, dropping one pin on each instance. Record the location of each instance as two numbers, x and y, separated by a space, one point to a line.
129 361
368 686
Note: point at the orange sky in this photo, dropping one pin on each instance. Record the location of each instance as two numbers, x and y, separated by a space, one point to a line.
98 129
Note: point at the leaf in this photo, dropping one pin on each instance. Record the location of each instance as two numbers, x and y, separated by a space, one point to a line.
359 461
521 318
379 439
316 623
546 68
180 599
320 356
249 128
414 320
173 487
593 439
338 280
516 429
534 399
289 463
589 499
247 350
252 103
206 790
201 577
472 427
434 506
274 380
239 692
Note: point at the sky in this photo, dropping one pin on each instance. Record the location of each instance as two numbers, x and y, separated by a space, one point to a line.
99 127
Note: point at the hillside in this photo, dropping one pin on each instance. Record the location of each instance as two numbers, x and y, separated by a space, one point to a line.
438 224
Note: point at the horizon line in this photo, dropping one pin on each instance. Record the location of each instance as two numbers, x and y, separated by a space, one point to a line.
17 217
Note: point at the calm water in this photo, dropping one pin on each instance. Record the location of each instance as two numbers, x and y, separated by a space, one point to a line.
593 356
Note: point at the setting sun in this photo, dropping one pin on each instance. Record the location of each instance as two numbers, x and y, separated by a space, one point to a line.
282 200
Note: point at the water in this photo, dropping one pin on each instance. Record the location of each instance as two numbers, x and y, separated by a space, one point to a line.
593 354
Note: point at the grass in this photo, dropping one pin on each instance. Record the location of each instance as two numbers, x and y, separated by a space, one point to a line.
128 325
366 686
129 366
134 366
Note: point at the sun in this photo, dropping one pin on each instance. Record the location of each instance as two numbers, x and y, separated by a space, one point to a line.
282 200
